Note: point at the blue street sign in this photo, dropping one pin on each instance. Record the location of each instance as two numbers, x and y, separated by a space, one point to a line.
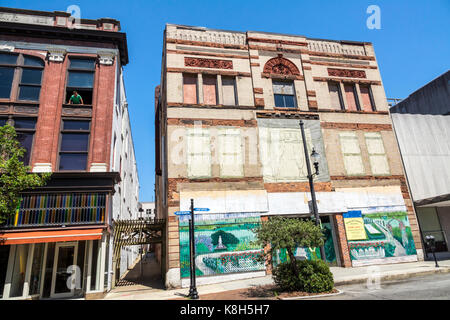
181 213
201 209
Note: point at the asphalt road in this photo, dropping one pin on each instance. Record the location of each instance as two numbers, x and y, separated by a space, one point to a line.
430 287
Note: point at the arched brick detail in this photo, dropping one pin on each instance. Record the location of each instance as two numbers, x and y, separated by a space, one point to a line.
282 66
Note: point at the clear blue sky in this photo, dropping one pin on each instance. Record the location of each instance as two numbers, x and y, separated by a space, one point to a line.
412 46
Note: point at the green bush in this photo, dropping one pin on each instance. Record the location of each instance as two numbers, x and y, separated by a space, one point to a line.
314 277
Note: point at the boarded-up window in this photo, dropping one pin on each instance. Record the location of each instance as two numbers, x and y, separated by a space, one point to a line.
209 90
377 154
198 153
190 88
282 155
230 153
366 98
229 91
350 97
284 94
351 153
335 95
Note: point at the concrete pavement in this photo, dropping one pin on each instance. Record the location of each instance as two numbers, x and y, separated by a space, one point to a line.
342 276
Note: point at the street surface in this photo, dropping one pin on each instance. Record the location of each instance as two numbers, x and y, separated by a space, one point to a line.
430 287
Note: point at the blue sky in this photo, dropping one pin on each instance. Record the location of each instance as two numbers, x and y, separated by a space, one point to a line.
412 46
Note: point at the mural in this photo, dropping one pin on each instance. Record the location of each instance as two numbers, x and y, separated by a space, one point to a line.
222 246
311 253
388 234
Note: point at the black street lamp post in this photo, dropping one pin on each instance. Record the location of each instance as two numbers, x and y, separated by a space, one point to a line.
193 294
315 156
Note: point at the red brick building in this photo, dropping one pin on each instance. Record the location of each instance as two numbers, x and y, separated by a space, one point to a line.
59 243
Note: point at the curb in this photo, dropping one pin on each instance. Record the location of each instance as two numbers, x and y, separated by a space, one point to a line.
315 296
394 276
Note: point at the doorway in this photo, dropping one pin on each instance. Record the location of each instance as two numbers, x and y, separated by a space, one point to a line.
63 278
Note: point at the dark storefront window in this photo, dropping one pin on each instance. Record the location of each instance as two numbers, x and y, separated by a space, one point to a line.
74 145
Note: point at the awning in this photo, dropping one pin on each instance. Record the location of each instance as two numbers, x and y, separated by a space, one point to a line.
49 236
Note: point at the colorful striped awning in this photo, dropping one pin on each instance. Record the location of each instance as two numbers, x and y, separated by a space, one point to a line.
49 236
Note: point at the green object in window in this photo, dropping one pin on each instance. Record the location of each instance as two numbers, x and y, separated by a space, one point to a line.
75 99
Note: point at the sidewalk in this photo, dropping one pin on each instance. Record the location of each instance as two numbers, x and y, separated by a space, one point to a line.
342 276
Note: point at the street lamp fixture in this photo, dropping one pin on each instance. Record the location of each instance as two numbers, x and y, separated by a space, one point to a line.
315 158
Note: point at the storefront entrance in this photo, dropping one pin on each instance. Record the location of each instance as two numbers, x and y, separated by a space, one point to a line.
65 275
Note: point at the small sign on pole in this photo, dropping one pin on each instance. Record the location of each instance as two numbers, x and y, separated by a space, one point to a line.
181 213
201 209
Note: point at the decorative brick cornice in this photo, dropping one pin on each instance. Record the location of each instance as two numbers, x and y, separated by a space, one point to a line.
281 66
208 63
346 73
392 177
210 54
297 187
221 72
208 106
211 122
356 126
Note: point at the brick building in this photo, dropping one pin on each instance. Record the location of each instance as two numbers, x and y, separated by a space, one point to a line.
228 136
44 57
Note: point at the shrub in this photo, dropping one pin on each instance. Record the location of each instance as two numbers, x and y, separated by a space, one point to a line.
313 277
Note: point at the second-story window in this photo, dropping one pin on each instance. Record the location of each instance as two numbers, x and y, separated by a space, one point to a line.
209 90
25 129
74 145
190 88
80 83
351 97
284 94
367 98
335 96
20 77
229 91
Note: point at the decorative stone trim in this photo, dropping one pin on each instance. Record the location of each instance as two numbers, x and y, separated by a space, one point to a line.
356 126
337 64
5 47
208 63
391 177
42 167
207 106
287 114
210 54
98 167
211 122
374 82
106 58
203 71
279 76
355 111
275 41
207 44
346 73
56 54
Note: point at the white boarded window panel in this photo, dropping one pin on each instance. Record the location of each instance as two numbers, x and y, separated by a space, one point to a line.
283 88
198 153
230 153
229 91
351 153
377 153
282 154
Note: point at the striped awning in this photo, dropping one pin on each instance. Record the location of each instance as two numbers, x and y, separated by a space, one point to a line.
41 236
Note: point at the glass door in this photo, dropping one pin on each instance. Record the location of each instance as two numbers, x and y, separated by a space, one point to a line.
64 268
